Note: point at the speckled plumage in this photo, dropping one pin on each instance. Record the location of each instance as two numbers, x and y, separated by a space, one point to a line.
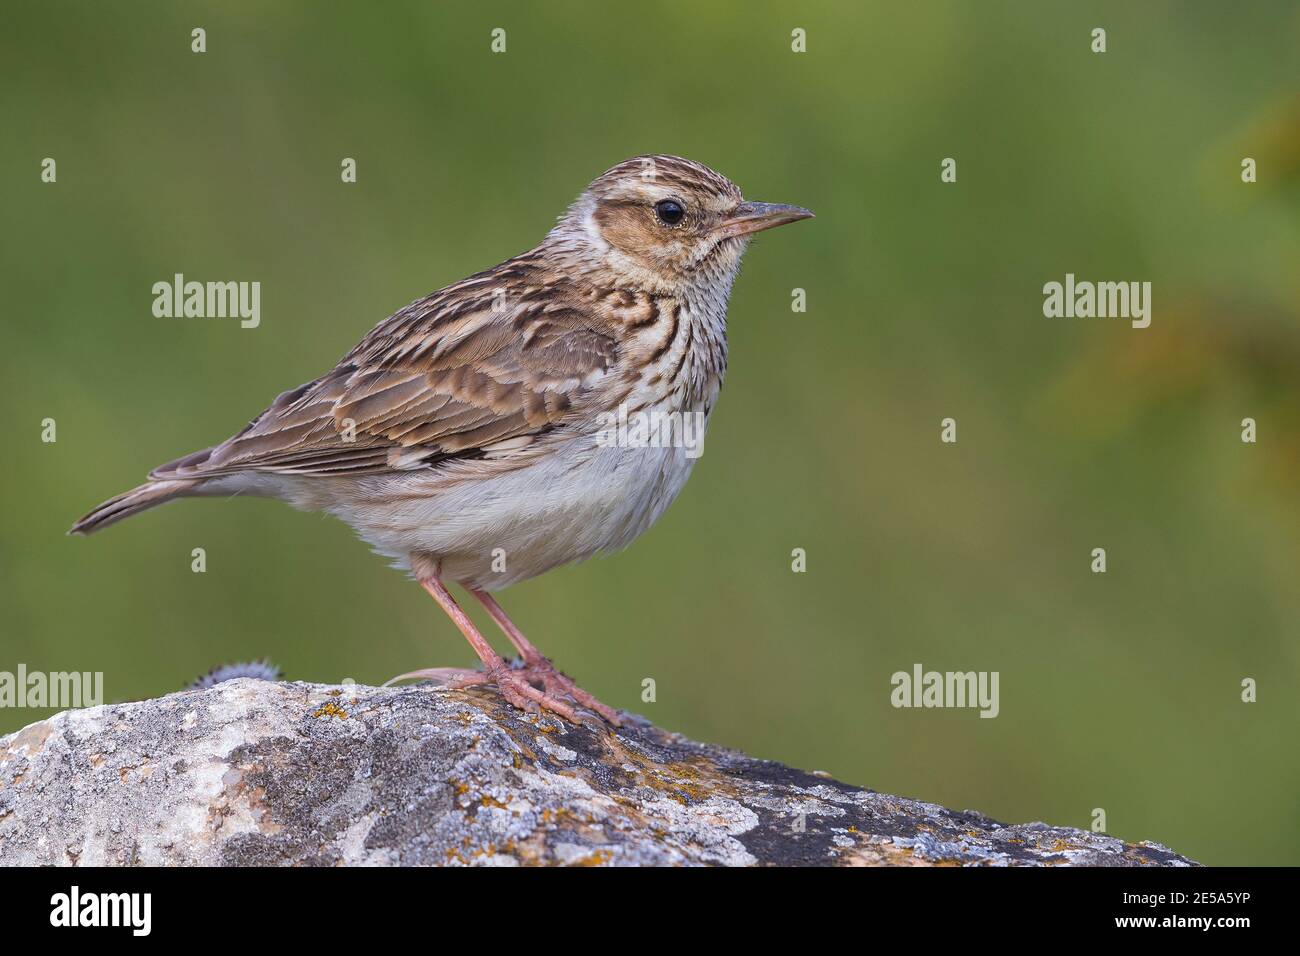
463 429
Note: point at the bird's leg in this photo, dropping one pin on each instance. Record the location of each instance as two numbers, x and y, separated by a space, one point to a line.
538 665
513 685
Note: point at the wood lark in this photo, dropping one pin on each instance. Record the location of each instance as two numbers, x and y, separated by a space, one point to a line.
467 436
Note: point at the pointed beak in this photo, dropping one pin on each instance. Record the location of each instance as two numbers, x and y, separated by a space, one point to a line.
751 217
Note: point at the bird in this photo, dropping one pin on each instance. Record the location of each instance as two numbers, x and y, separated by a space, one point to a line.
469 436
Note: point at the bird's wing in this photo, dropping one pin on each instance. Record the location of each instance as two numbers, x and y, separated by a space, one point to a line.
466 372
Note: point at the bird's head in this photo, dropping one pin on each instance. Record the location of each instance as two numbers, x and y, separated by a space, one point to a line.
668 220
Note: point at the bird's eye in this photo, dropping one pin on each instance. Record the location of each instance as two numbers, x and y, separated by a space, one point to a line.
670 212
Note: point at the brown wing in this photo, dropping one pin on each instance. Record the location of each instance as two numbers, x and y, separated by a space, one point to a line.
482 367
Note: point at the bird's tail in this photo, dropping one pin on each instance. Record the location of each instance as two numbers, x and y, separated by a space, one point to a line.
148 495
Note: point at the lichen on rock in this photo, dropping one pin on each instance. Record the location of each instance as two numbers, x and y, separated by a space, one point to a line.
251 772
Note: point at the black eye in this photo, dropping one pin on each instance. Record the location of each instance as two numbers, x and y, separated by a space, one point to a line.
669 211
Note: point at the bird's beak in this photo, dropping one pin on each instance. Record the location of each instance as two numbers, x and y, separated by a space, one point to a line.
756 216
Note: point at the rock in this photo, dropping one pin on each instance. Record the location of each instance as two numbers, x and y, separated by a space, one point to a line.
253 772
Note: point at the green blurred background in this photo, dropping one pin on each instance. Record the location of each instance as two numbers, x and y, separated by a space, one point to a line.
1119 691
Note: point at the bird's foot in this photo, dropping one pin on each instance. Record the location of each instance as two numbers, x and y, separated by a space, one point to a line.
513 682
517 687
540 670
529 684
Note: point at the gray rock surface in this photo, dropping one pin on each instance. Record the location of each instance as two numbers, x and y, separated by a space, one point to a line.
258 773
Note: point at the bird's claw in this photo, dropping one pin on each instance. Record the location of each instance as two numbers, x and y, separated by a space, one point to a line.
556 682
530 685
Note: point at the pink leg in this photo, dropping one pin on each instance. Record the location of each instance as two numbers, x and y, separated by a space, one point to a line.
513 685
536 664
